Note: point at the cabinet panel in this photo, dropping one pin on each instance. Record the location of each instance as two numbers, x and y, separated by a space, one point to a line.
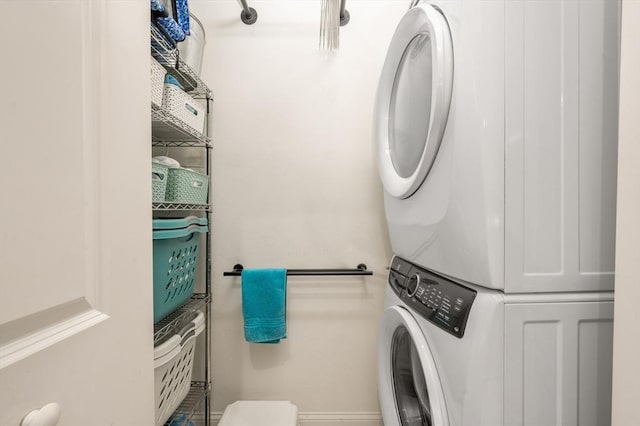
561 142
558 359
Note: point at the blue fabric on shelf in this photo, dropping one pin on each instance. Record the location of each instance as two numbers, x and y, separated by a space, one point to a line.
169 79
172 28
156 6
182 15
180 420
264 305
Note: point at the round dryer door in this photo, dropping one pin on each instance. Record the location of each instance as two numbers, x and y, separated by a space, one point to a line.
409 387
414 95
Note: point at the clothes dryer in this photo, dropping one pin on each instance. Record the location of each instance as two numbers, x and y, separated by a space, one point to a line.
496 133
461 355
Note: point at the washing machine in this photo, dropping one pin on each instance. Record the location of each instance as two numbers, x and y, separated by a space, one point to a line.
453 354
496 135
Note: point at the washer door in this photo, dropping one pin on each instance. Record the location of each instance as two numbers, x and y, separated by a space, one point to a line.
414 95
409 387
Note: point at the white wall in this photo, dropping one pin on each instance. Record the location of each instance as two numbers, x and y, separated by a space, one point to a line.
295 185
626 346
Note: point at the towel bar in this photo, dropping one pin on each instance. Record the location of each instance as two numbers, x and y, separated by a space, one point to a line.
361 269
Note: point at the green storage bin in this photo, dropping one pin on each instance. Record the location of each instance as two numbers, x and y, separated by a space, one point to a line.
159 177
175 257
186 186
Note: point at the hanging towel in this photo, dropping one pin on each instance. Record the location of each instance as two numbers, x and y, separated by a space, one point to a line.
264 305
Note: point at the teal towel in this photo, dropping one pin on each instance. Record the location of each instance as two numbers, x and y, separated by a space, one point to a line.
264 305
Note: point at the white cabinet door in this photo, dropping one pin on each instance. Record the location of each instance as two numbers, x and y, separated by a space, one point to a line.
75 239
558 360
561 129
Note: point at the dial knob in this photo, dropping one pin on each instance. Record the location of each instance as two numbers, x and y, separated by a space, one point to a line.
412 285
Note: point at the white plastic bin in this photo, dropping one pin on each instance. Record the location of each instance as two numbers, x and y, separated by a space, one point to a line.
173 367
157 82
183 106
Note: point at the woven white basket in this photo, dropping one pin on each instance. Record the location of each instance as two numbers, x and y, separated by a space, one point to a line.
157 82
187 186
174 368
183 106
159 177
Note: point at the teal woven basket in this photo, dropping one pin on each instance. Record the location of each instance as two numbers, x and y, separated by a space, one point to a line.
187 186
159 176
175 257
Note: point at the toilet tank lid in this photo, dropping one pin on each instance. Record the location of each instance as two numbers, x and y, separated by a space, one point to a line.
260 413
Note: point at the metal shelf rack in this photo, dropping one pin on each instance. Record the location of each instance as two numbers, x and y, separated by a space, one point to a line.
169 131
169 57
191 405
167 206
172 323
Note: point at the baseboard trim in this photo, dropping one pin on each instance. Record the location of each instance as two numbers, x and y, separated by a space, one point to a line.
324 418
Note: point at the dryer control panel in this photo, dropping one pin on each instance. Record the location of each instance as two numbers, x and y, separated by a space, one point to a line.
443 302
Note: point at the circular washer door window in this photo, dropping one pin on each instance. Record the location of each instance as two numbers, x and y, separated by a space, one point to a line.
414 95
409 386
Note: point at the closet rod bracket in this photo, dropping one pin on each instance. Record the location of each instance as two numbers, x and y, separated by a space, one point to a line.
344 17
249 16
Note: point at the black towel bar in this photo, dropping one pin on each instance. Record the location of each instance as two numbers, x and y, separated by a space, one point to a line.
361 269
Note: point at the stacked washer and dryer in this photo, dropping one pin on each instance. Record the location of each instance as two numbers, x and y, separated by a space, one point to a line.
496 130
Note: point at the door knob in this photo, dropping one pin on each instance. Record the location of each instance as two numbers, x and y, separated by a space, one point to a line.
45 416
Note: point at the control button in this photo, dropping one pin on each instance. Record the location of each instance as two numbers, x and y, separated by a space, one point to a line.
456 329
443 317
459 301
457 308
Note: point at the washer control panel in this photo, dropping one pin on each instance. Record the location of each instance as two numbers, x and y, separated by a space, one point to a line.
437 299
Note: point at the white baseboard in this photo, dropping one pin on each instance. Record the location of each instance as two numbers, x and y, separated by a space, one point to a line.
348 418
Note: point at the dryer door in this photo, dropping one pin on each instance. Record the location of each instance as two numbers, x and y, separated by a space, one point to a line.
413 99
409 386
